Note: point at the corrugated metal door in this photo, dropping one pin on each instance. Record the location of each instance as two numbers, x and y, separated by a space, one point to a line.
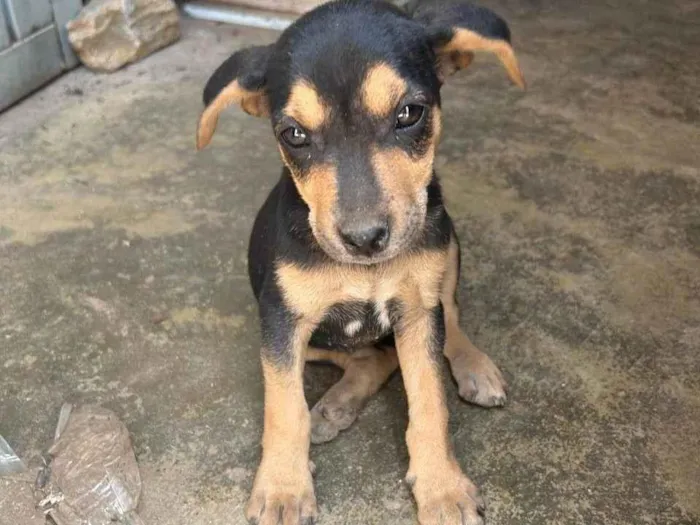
34 47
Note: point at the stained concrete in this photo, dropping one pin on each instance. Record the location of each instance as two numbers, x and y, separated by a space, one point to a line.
122 277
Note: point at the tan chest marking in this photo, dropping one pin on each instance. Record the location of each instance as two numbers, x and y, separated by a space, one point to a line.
415 280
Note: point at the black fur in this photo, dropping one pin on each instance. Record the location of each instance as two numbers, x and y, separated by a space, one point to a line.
277 325
437 332
334 46
442 17
373 144
248 66
331 334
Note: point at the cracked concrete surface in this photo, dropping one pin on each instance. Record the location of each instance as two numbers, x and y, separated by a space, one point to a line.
123 282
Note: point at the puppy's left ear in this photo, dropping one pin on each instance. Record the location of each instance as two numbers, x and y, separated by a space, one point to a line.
458 29
240 79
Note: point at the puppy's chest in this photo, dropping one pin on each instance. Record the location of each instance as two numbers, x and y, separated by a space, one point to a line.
351 325
338 291
350 306
355 301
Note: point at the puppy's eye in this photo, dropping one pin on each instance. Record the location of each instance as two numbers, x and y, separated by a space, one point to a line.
409 115
295 137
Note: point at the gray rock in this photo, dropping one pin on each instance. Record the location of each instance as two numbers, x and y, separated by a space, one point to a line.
109 34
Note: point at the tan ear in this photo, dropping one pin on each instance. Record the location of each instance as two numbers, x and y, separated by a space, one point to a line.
460 29
458 53
240 80
451 62
253 102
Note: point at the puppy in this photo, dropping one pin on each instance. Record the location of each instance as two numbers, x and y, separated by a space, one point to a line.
353 258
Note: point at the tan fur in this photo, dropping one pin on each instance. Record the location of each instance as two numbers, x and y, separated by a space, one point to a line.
368 367
449 63
306 106
400 173
418 281
478 378
339 359
427 430
403 177
455 341
382 90
285 412
467 41
284 469
443 493
310 292
318 188
454 338
366 370
252 102
451 280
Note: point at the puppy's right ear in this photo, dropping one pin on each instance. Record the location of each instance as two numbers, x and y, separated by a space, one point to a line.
239 80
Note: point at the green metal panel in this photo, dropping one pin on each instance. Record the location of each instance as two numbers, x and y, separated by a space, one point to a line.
5 39
28 16
63 12
28 65
34 45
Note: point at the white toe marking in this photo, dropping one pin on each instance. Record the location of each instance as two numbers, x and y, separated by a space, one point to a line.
352 328
382 315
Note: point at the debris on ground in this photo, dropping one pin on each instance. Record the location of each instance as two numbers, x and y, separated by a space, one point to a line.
108 34
18 501
91 475
9 462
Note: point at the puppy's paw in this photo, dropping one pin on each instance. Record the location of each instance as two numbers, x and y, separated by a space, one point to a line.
478 378
332 415
282 497
450 499
364 374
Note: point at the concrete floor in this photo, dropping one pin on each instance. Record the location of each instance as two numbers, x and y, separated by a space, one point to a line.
122 277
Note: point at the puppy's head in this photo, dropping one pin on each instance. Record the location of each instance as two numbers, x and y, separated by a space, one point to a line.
353 93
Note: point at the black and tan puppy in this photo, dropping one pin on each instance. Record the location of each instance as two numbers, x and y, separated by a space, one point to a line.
353 258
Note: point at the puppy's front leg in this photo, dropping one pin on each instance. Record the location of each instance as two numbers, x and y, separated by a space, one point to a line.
283 491
443 493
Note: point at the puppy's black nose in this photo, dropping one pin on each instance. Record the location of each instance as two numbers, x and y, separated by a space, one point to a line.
366 240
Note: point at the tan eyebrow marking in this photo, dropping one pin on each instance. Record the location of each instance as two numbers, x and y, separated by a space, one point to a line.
382 89
306 106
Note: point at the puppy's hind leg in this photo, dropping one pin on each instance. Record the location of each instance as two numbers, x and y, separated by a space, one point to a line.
478 378
366 370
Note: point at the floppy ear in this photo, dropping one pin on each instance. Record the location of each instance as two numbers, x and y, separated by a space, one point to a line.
239 80
458 29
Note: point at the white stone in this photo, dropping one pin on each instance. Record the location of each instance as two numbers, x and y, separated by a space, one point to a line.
108 34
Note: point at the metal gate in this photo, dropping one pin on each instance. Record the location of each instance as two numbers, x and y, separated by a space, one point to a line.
34 47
